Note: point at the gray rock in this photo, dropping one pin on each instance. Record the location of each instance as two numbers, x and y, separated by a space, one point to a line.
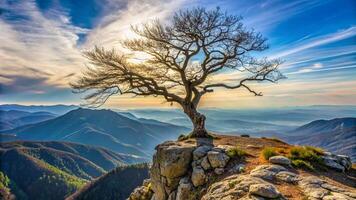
171 161
337 196
279 160
264 174
238 168
205 163
172 196
219 171
218 159
345 161
333 163
198 177
265 190
184 189
267 172
200 152
272 168
316 188
286 176
232 187
174 160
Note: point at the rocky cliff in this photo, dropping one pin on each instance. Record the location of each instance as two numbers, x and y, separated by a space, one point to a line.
227 167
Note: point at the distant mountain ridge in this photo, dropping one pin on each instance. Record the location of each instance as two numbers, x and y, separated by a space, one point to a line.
13 118
52 170
320 126
57 109
336 135
101 128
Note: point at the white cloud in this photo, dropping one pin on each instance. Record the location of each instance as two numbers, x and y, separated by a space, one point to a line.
39 42
116 26
317 41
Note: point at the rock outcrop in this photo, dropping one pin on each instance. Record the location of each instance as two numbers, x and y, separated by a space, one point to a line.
337 162
187 171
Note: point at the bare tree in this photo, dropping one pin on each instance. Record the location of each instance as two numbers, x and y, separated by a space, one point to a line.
183 56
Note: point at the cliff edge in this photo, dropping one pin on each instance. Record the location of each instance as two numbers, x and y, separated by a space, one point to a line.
230 167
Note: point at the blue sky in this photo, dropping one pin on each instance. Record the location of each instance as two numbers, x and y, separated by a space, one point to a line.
41 44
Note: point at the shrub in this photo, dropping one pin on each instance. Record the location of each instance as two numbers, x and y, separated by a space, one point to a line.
302 164
268 152
245 135
232 184
316 150
303 153
306 157
236 153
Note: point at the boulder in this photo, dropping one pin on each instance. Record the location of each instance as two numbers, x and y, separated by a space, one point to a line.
157 181
219 171
171 160
218 159
267 172
198 177
337 162
279 160
172 195
205 163
184 189
272 168
238 168
316 188
265 190
345 161
200 152
232 187
333 163
337 196
287 177
174 159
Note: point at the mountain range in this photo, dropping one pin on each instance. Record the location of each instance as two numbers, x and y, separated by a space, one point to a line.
103 128
53 170
56 109
14 118
335 135
46 145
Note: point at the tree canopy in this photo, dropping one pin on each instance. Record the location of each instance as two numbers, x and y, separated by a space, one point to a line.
181 58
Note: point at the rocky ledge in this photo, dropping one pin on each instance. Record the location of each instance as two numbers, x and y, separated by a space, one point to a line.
185 170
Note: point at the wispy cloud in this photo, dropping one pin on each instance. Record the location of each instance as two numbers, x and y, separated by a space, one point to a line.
40 52
117 26
30 40
317 41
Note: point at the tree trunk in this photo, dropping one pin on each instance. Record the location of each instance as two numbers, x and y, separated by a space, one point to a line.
198 121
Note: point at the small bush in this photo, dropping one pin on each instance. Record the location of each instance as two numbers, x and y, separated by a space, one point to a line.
245 135
268 152
303 153
236 153
306 157
302 164
232 184
317 150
